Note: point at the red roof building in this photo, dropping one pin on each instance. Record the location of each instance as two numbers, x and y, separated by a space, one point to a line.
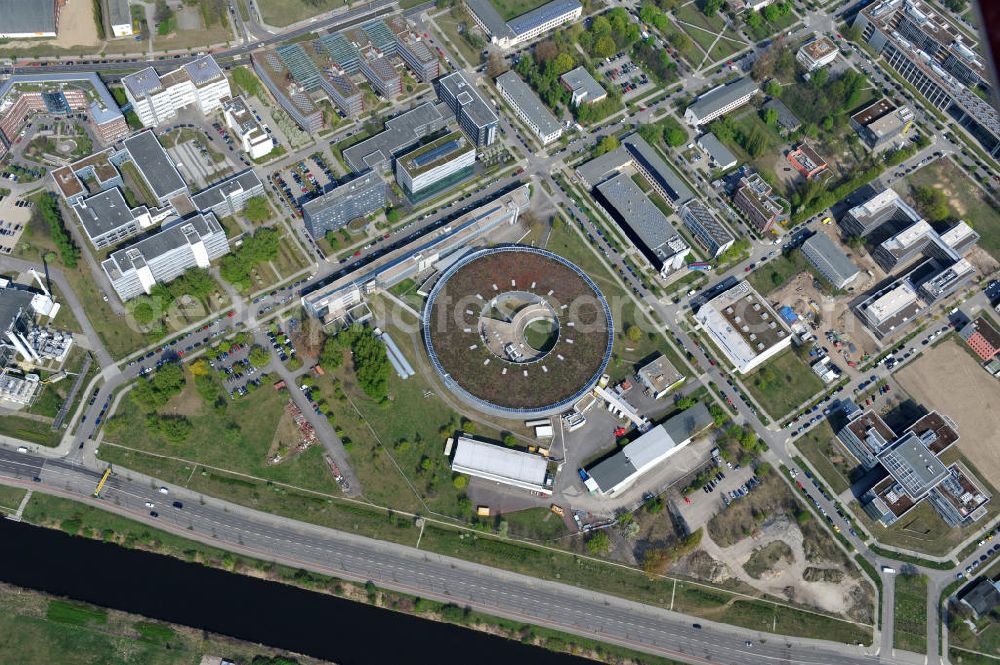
981 338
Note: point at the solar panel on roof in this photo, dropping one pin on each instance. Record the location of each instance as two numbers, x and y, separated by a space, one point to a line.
431 155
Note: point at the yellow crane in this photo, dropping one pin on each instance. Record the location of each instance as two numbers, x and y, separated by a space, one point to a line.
104 479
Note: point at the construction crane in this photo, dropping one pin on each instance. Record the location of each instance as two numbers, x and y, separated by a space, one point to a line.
104 479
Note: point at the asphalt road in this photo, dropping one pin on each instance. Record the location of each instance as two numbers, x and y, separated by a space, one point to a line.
407 569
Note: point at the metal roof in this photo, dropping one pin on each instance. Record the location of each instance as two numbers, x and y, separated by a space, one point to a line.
490 17
369 180
580 80
469 99
499 463
13 301
118 12
665 175
716 150
540 15
637 212
829 258
525 99
715 99
400 132
153 163
27 16
913 465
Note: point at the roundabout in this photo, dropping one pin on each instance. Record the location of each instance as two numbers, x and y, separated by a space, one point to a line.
517 331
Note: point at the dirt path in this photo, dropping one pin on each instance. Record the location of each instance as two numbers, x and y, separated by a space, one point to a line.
786 581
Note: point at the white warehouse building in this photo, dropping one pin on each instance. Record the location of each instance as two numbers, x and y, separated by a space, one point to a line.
156 99
502 465
744 327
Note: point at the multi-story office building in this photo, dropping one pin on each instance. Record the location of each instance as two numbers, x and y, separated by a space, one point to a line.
744 327
156 99
229 196
120 18
475 116
291 95
401 133
382 76
755 199
344 93
819 52
710 233
358 198
636 153
882 125
156 259
107 220
717 152
414 52
885 208
155 167
528 107
255 141
436 165
525 27
644 224
23 95
720 100
829 260
935 57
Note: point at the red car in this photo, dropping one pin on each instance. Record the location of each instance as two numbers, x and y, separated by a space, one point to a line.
687 499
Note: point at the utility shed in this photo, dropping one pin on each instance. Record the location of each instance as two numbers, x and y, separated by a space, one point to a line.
501 465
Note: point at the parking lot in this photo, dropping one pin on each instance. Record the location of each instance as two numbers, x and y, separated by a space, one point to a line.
304 181
14 216
729 483
236 370
619 70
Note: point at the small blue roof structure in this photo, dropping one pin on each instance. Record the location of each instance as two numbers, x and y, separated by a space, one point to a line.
788 314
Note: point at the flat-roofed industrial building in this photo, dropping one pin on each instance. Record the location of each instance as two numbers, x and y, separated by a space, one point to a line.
500 464
744 327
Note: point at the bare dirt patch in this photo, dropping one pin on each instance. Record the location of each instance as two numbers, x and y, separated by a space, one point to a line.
76 28
948 379
187 403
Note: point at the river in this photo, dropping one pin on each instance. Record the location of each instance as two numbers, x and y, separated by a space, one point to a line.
259 611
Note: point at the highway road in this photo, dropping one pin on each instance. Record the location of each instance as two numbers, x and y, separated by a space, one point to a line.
410 570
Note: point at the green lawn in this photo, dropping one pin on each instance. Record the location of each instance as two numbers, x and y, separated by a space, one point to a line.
966 199
10 498
692 14
782 384
536 524
241 437
281 13
511 8
910 626
31 430
828 456
726 47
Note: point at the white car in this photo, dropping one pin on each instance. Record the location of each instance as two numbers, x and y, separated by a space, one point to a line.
149 504
164 490
22 449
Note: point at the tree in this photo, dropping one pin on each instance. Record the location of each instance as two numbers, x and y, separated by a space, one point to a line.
392 215
259 248
546 50
712 7
675 136
199 367
257 210
48 208
604 47
510 440
770 116
633 333
460 482
772 88
606 144
599 543
259 357
331 356
931 202
496 65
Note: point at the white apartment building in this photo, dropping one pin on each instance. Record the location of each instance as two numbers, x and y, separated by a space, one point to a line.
155 99
255 140
820 52
184 244
720 100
